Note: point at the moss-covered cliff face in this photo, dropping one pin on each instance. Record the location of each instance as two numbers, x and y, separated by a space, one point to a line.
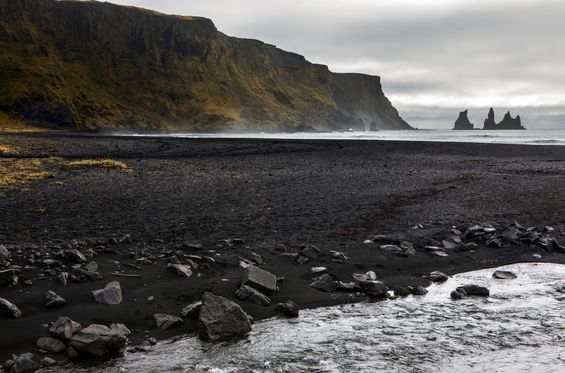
88 65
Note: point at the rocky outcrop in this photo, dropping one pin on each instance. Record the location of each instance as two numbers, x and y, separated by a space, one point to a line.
463 122
93 65
507 123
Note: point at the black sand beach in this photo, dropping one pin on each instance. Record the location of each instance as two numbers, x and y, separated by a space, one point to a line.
275 196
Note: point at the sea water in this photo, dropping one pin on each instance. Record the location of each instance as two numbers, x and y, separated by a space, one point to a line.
529 137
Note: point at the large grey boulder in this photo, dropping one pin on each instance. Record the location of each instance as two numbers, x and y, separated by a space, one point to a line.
259 279
8 309
325 283
50 345
98 340
64 328
221 319
248 293
111 294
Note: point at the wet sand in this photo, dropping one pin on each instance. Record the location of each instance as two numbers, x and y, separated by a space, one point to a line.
269 193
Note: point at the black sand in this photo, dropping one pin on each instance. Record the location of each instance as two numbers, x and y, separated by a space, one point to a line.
332 194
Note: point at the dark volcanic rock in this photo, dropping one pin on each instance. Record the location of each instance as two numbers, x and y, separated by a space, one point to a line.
98 340
111 294
437 276
259 279
288 309
474 290
8 309
248 293
166 322
325 283
463 123
64 328
504 275
52 299
221 319
51 345
373 289
25 364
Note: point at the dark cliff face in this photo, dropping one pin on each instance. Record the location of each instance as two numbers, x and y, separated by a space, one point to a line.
97 65
463 122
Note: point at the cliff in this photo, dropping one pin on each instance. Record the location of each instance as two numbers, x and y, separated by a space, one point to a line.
91 65
463 122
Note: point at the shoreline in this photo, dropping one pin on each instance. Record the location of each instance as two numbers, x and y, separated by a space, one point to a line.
332 194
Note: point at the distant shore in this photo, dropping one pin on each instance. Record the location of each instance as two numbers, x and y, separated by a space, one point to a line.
164 196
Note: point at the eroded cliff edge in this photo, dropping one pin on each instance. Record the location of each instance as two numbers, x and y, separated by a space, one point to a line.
90 65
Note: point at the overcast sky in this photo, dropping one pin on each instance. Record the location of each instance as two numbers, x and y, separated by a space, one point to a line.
435 57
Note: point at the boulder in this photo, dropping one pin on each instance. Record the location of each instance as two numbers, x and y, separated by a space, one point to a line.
25 364
50 345
287 309
8 277
181 270
373 289
52 299
419 290
310 251
437 276
192 310
474 290
457 295
248 293
368 276
64 328
8 309
504 275
74 255
4 253
166 322
259 279
48 362
111 294
98 340
221 319
325 283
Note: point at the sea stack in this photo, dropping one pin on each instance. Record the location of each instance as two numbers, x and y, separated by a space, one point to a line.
490 124
463 123
507 123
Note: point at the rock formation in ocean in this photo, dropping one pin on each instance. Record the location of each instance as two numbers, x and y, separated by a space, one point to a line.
92 65
507 123
463 122
490 123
